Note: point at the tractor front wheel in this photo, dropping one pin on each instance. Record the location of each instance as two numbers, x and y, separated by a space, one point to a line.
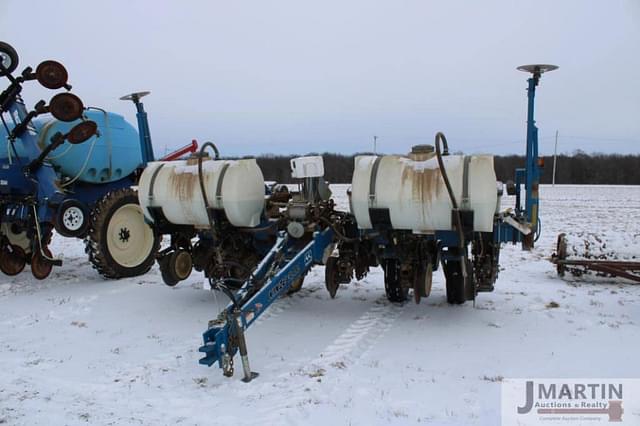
120 243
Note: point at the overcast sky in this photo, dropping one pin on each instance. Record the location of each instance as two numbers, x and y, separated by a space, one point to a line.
297 76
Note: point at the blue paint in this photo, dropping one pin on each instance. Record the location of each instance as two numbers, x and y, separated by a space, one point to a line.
293 265
145 134
529 176
532 169
15 184
107 157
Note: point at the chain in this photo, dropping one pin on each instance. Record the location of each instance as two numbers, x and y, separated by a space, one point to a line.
227 365
227 359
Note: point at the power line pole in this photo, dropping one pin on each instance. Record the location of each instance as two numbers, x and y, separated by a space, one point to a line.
555 158
375 145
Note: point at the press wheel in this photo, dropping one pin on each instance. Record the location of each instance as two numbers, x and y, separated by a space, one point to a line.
422 280
331 276
175 267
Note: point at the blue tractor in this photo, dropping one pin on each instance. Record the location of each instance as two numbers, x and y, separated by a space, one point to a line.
71 169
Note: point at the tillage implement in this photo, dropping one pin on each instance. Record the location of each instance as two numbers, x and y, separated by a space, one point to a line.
71 168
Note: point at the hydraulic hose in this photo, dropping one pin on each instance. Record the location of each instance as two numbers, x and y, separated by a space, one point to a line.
340 235
201 178
207 206
222 287
440 138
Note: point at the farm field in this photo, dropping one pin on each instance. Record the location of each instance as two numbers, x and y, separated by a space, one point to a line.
76 349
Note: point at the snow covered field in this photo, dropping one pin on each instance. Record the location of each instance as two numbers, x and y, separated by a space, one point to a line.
77 349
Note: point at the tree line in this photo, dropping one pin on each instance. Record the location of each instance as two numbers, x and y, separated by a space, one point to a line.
578 168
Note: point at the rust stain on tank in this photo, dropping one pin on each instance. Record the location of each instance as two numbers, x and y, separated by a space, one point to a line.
426 184
183 185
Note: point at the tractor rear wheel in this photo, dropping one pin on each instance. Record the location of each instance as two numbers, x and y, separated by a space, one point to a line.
119 242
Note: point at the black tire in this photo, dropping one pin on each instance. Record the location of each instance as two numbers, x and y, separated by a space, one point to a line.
470 285
392 286
175 267
9 58
108 261
166 271
72 219
454 282
182 264
331 276
458 291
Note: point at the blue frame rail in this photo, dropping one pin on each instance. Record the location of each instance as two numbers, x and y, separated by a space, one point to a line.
282 265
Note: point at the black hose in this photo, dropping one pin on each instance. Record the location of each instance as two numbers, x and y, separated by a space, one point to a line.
213 146
538 231
226 291
441 138
338 233
201 177
207 206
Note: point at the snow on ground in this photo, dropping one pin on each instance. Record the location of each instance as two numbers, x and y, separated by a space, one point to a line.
77 349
